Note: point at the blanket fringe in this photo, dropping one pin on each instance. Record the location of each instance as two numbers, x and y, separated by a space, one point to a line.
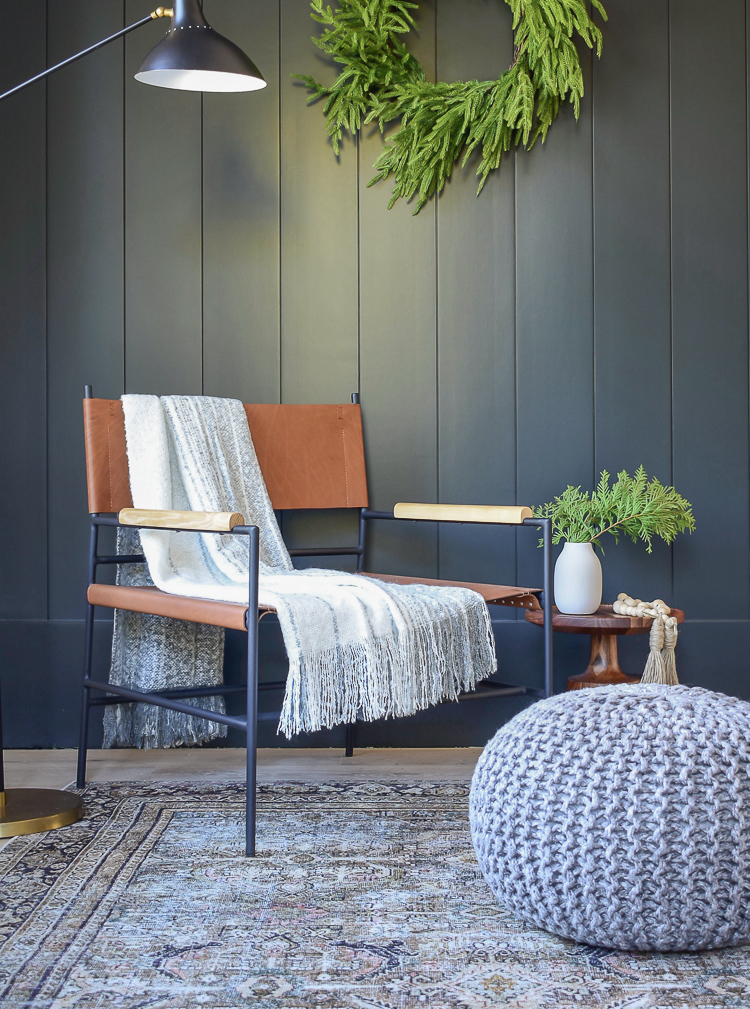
388 678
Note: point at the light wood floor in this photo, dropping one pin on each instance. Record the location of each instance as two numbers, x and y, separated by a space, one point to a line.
56 768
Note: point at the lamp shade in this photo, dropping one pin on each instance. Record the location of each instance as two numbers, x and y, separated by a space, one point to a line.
194 57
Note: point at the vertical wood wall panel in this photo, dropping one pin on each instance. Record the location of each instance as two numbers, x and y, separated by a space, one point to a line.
241 283
710 292
163 258
588 310
554 334
476 314
319 232
633 392
398 351
85 278
319 268
23 485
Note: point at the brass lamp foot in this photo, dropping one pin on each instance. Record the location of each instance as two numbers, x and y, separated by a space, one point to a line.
32 810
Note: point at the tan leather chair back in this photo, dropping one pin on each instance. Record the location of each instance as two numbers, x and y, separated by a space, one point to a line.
106 455
310 456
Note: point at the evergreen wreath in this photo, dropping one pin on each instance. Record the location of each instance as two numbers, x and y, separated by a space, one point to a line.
381 81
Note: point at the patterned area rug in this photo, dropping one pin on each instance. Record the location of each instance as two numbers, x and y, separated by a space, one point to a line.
363 896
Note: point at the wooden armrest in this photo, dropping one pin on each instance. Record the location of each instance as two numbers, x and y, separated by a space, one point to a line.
210 522
501 514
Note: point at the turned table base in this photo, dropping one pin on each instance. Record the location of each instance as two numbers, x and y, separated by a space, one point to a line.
603 667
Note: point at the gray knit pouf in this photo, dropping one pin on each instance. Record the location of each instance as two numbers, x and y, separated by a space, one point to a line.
620 817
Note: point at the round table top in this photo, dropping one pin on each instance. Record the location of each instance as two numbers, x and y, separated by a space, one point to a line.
603 621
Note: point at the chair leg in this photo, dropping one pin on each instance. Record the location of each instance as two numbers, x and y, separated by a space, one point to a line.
252 744
83 740
349 752
252 699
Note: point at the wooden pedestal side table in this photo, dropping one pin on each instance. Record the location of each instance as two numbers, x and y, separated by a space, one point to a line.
605 627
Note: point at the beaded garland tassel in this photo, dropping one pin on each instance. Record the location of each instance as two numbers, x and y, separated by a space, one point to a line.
660 665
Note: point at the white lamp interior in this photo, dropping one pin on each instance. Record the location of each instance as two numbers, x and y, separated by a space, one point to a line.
200 80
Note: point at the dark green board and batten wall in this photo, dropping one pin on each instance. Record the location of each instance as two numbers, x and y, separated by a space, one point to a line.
589 310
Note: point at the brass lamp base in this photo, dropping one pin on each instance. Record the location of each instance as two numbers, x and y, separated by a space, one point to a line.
32 810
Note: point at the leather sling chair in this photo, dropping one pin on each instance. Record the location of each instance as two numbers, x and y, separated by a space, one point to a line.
312 457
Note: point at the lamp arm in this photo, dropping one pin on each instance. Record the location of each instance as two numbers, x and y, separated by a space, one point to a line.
160 12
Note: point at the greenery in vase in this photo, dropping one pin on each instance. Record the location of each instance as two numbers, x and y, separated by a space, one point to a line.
633 505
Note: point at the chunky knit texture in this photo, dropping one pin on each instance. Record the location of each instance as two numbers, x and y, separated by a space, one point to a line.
620 817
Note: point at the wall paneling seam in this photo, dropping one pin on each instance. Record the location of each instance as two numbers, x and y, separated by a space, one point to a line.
671 270
747 210
515 346
594 462
436 240
280 12
124 213
203 247
46 303
358 181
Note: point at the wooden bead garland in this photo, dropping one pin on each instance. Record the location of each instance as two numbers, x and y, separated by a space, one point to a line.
660 665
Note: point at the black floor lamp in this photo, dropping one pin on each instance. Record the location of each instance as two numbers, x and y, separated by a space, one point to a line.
190 57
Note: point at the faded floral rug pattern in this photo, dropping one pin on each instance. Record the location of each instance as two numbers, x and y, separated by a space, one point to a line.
363 896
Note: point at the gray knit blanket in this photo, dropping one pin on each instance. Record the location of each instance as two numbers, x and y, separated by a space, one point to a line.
357 646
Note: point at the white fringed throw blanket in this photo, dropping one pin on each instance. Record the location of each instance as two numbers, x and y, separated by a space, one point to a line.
357 647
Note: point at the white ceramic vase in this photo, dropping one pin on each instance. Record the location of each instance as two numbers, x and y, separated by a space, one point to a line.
578 579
